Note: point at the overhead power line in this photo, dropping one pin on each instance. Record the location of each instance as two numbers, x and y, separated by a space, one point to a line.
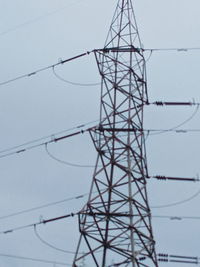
52 138
29 147
71 82
8 231
50 245
27 75
47 137
183 49
176 127
71 164
34 20
178 202
159 131
42 206
34 225
176 217
34 259
86 194
29 22
38 223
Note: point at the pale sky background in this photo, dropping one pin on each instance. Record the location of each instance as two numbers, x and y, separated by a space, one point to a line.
35 34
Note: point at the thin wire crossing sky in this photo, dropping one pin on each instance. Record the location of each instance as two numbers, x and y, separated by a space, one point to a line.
35 34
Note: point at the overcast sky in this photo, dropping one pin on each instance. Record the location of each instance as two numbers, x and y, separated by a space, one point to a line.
35 34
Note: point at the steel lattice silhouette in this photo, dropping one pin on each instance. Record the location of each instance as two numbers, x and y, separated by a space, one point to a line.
115 224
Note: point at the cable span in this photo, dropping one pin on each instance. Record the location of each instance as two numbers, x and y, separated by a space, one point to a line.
184 49
176 217
52 136
66 162
23 148
38 223
46 206
50 245
84 54
182 123
26 23
177 203
13 29
56 203
34 259
43 206
27 146
44 68
53 140
174 131
73 83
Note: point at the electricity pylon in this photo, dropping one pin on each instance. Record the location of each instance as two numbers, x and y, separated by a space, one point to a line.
115 224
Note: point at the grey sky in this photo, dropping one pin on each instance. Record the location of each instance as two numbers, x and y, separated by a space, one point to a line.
42 105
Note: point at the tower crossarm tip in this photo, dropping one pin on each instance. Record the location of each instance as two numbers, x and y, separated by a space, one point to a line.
163 257
164 178
161 103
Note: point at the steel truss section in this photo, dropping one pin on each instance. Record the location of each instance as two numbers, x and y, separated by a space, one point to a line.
115 224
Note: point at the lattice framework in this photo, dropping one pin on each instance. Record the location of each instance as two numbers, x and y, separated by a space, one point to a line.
115 224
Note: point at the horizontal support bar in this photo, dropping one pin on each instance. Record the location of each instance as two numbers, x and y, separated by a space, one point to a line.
111 214
119 49
102 129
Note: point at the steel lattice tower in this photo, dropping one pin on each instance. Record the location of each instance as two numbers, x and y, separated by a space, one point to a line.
115 224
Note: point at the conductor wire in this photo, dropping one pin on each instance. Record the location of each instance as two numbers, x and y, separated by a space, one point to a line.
184 49
33 259
27 75
181 124
70 82
46 137
66 162
43 206
176 217
34 20
50 245
178 202
38 223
